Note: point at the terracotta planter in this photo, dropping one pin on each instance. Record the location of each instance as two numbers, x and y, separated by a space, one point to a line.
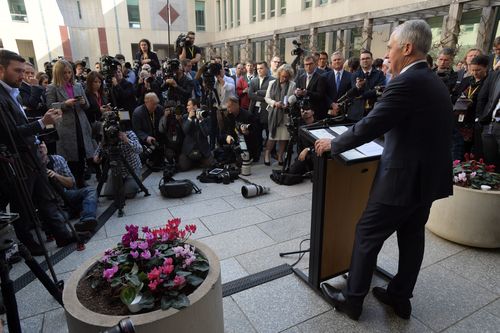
469 217
203 315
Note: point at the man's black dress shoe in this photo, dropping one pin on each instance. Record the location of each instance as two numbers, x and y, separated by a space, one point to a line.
335 297
402 307
88 225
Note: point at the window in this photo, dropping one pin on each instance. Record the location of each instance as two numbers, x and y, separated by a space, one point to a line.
322 2
18 10
262 51
79 9
282 7
321 41
231 13
272 8
262 9
282 46
254 51
200 15
225 14
134 17
238 9
254 11
307 4
219 15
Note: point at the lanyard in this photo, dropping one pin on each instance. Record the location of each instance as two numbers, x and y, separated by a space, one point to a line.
191 50
471 92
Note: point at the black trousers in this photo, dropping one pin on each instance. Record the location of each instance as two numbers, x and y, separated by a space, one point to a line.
377 223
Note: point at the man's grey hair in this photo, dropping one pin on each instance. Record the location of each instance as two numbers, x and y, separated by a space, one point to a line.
338 53
152 96
416 32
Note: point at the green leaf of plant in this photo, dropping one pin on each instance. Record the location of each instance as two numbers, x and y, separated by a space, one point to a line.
194 280
133 279
183 273
166 303
135 269
127 295
122 258
201 266
147 301
181 302
142 276
116 282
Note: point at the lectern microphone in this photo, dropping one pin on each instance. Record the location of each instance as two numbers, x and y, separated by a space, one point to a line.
253 190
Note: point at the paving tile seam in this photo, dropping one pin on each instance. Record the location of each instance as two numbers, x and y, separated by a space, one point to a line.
494 314
298 236
468 279
243 312
464 318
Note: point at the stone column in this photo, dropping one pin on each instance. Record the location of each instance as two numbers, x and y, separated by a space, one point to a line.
247 50
347 43
275 46
340 42
313 39
367 33
269 52
485 31
449 36
228 53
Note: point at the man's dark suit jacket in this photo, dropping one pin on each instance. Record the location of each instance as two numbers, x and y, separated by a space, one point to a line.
488 97
256 93
333 93
316 90
195 136
366 95
416 165
23 131
141 123
32 97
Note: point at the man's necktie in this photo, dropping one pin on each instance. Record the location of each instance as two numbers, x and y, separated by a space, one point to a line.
308 79
337 81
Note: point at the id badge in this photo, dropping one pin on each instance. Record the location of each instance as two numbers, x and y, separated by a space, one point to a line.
461 118
174 138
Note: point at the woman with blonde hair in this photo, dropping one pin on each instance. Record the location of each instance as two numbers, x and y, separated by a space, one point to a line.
75 135
277 99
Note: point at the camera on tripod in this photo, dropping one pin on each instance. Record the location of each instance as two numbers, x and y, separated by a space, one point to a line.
109 66
297 51
115 121
181 41
209 72
170 68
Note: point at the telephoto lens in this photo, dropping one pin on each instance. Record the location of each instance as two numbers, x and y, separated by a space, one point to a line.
124 326
253 190
200 113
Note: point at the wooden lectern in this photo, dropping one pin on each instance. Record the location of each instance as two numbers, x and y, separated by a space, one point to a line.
341 186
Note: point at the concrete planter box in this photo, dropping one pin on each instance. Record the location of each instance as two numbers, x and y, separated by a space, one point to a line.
469 217
203 315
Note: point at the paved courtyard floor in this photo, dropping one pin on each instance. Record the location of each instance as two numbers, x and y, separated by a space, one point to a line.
458 289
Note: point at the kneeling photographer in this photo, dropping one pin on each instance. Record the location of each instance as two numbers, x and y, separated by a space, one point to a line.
195 148
304 162
117 143
241 124
145 123
179 86
172 135
80 202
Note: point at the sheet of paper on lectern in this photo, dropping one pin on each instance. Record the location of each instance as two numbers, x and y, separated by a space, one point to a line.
352 154
370 149
339 129
322 134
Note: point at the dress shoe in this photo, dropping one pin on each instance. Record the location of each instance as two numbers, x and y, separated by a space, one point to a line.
83 236
267 160
88 225
335 297
402 307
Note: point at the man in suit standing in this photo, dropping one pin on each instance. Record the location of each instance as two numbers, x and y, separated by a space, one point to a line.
12 70
256 92
495 56
366 79
415 169
488 115
312 85
338 82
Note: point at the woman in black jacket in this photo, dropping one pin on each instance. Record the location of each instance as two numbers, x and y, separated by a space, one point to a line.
146 56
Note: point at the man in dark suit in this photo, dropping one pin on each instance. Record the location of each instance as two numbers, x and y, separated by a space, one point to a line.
11 75
338 82
312 85
415 169
366 79
488 115
495 56
31 93
146 120
257 89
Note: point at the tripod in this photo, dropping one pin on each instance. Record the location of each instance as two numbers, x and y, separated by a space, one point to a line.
7 285
116 161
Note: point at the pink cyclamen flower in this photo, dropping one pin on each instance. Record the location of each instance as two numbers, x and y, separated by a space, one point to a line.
473 174
456 162
179 280
146 255
154 274
153 284
143 245
134 254
462 176
133 245
110 272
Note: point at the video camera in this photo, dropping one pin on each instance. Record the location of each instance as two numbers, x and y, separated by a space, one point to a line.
170 68
109 65
297 51
114 122
181 41
209 72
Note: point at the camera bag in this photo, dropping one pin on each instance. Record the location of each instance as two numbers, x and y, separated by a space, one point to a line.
283 178
171 188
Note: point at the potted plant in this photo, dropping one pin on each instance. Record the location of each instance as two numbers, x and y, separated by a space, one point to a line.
470 216
159 279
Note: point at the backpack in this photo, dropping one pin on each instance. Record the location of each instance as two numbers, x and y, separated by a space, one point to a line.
171 188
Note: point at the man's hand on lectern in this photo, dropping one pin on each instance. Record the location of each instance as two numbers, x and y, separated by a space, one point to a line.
322 145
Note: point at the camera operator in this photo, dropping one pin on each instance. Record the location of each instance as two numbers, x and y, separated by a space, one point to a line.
366 80
130 148
338 82
195 148
80 75
444 69
124 92
146 122
304 162
146 56
189 51
83 200
11 75
171 129
180 87
313 85
147 83
239 121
